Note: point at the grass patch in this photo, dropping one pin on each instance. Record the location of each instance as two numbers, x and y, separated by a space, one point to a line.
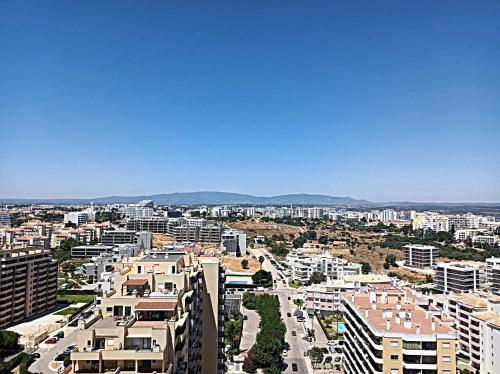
68 298
67 311
294 283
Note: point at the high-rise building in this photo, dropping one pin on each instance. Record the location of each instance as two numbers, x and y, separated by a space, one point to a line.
387 333
420 256
234 243
165 314
28 283
77 218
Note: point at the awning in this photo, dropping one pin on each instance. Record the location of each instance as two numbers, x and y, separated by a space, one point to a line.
156 305
135 282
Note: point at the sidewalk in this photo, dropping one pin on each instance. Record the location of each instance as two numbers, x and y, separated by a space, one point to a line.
250 329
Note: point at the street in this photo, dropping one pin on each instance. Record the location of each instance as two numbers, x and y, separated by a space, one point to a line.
48 352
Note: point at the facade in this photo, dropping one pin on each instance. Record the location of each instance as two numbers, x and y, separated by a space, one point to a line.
5 217
462 308
28 283
233 243
387 333
178 227
164 315
143 238
420 256
456 277
303 266
92 270
487 325
88 251
78 218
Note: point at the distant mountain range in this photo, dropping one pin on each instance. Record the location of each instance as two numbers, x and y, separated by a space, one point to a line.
231 198
205 197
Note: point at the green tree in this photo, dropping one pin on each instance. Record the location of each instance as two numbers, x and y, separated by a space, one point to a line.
64 251
317 277
365 268
323 240
261 260
262 277
9 342
244 263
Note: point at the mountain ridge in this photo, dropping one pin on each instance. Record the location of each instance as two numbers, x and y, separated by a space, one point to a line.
205 197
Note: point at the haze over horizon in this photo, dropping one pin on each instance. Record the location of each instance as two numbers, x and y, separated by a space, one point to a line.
381 101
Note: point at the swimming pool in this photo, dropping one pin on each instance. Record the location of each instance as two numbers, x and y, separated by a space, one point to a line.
237 282
341 326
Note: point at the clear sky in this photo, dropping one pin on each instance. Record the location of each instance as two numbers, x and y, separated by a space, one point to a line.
383 100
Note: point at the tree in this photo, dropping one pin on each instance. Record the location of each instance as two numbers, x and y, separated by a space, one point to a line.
323 240
262 277
249 364
365 268
317 277
316 354
244 263
337 314
9 342
64 251
261 260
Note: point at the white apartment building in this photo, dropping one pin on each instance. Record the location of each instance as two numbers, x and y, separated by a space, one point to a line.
457 277
5 218
303 266
78 218
326 298
233 243
487 324
420 256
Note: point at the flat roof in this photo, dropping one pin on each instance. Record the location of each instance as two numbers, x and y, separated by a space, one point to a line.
162 257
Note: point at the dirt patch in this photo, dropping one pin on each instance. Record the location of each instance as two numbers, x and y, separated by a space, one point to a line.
253 227
234 264
161 240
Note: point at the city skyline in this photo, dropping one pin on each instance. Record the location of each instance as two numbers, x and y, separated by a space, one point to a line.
384 102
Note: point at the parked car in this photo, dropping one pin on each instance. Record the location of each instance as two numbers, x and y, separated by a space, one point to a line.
287 345
332 342
51 340
294 367
289 298
35 355
289 314
245 318
294 333
59 335
285 353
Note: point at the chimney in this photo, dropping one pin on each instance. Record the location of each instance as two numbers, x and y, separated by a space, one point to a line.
388 325
407 323
374 305
398 320
426 315
418 329
433 325
373 297
398 305
384 296
366 313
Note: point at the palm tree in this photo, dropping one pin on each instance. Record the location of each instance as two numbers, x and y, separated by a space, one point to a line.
337 314
261 260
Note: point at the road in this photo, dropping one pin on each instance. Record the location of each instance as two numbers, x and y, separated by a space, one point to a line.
297 344
48 352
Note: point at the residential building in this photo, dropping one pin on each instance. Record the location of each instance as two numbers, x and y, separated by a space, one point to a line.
326 298
387 333
233 243
303 266
77 218
28 283
420 256
89 251
486 327
143 238
164 315
5 218
457 277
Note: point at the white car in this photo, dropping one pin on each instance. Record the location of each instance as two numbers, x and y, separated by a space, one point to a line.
285 353
332 342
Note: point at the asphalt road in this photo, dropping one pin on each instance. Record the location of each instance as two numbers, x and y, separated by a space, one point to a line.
297 344
48 352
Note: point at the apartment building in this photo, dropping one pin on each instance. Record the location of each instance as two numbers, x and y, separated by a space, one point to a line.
143 238
486 340
97 265
77 218
179 228
164 315
461 308
233 243
420 256
28 283
387 333
5 217
456 277
326 298
304 266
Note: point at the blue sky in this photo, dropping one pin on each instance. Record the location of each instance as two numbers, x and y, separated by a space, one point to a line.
383 100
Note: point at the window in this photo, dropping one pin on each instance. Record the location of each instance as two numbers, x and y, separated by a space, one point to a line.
446 359
89 343
446 345
394 357
394 343
394 371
